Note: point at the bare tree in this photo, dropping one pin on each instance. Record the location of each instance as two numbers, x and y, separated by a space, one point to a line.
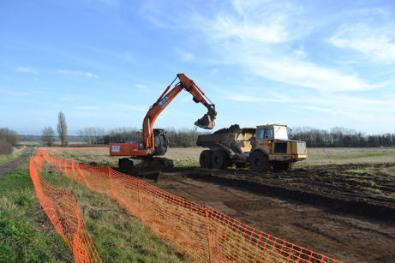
48 136
8 139
91 135
62 128
9 136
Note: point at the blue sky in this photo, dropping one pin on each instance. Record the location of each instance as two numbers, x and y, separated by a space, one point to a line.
103 62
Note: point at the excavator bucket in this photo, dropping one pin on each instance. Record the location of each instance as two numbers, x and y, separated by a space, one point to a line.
206 122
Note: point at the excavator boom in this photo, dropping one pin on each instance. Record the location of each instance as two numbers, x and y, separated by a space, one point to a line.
148 143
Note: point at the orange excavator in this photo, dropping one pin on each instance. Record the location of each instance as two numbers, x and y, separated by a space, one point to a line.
154 141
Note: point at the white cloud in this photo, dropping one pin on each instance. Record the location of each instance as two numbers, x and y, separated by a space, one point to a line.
262 43
227 27
27 70
244 98
377 43
350 107
306 74
266 22
258 99
77 73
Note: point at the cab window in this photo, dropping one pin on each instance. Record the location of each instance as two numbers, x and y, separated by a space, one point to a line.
268 133
264 133
157 141
260 134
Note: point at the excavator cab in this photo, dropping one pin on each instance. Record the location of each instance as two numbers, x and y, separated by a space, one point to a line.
161 142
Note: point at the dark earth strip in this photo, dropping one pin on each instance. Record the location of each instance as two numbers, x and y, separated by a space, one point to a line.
5 168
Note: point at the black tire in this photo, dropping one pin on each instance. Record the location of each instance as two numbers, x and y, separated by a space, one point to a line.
282 166
259 162
205 159
125 164
220 160
167 163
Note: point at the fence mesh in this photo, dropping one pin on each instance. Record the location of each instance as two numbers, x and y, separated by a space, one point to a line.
64 213
201 233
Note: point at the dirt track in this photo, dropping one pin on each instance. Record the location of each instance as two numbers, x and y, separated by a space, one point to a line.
5 168
333 232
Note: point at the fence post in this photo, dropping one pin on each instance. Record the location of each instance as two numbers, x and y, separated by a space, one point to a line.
210 255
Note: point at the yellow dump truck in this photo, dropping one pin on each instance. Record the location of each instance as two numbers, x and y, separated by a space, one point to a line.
262 148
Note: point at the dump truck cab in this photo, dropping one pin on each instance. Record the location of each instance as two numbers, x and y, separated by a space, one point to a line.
273 140
272 147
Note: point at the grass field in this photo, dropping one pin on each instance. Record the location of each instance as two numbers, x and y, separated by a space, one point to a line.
323 156
26 235
189 157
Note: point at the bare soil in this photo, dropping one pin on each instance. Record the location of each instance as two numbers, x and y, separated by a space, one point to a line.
338 234
364 189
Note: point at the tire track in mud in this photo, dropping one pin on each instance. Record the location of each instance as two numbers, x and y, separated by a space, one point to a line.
336 201
350 238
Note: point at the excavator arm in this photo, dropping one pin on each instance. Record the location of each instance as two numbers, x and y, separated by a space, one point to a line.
206 122
149 147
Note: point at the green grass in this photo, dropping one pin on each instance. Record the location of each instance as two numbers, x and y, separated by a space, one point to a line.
324 156
189 157
186 163
5 158
101 157
25 233
118 236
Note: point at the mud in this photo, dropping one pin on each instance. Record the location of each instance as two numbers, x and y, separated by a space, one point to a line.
361 189
324 208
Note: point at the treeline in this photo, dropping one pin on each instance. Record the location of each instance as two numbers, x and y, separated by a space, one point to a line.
8 139
336 137
177 138
340 137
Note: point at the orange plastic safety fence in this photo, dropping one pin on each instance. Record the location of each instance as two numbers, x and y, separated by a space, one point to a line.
202 233
63 211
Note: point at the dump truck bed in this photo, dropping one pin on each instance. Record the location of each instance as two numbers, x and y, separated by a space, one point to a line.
235 139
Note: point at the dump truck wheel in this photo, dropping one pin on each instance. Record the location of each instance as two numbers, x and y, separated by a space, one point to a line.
259 161
205 159
220 160
167 164
281 167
